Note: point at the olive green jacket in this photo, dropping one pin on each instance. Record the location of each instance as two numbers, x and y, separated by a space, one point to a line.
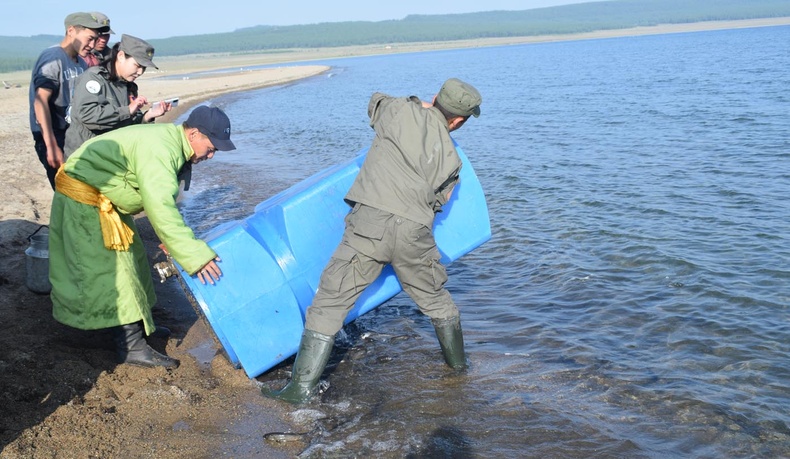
411 166
98 105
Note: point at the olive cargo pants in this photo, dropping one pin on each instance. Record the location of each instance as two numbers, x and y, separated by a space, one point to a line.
373 239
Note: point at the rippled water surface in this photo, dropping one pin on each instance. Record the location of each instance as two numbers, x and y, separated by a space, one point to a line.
633 300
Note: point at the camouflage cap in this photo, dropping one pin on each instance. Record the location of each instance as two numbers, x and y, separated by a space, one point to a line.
459 98
87 20
139 49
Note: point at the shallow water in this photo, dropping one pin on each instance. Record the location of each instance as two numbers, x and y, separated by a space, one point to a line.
633 299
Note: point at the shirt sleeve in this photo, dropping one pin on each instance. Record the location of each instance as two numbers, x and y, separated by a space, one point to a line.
158 188
48 76
445 188
374 107
446 165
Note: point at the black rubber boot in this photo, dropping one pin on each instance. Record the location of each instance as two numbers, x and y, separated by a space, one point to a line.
161 332
133 349
310 362
451 339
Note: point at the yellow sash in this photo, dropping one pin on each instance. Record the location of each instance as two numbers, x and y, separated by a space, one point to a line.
117 234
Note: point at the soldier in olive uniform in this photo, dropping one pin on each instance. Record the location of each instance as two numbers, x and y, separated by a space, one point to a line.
106 96
408 174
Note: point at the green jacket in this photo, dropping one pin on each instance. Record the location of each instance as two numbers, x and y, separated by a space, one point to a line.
136 167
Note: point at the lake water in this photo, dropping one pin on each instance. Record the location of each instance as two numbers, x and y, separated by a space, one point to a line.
633 300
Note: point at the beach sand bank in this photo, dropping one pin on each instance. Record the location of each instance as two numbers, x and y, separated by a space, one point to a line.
62 394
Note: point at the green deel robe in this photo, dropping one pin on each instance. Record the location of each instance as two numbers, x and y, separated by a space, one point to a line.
136 168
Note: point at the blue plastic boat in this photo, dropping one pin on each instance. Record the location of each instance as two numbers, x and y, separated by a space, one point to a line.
272 262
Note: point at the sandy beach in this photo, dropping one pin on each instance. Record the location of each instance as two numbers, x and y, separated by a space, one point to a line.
62 393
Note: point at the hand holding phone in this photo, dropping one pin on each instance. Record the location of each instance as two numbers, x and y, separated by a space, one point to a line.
173 103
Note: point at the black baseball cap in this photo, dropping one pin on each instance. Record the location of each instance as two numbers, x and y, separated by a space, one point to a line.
214 124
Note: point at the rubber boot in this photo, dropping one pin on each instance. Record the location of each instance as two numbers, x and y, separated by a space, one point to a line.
161 332
451 339
310 362
133 349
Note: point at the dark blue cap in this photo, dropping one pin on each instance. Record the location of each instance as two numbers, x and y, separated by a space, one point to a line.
214 124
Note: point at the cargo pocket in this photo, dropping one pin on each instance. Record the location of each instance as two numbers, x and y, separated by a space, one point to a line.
338 273
368 229
438 272
365 236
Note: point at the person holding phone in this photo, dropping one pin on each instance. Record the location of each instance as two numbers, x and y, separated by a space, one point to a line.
106 96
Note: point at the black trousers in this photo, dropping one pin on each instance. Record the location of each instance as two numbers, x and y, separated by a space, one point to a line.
41 151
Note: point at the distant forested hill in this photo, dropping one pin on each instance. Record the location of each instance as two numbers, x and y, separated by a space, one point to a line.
19 53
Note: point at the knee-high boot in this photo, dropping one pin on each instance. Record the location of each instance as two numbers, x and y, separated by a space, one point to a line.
451 339
132 348
311 359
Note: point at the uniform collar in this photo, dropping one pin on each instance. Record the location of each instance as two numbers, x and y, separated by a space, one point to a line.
431 109
435 111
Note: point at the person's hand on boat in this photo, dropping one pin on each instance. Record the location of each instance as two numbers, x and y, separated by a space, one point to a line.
210 272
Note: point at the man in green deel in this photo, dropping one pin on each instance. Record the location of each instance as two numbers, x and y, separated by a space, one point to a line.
408 175
98 266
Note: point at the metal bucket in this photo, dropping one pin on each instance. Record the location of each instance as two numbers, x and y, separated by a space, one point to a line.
37 262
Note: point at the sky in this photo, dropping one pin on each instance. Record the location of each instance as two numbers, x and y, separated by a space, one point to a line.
150 19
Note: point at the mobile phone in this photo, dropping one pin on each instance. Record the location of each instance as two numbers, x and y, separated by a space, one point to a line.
173 103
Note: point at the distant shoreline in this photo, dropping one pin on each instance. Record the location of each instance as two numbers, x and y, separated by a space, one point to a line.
208 62
218 61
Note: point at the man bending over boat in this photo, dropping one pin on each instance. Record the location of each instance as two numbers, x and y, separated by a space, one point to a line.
408 174
98 266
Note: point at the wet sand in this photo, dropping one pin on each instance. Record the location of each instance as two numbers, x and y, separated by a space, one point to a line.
62 394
